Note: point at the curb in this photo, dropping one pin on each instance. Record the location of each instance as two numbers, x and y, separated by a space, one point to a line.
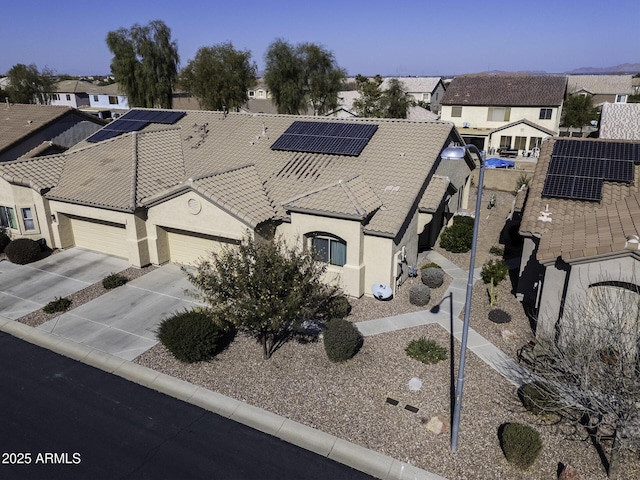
357 457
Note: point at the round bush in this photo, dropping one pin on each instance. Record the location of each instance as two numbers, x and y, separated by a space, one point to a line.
58 304
494 269
342 340
432 277
113 280
419 295
4 241
426 351
520 443
339 307
193 336
22 251
457 238
499 316
538 397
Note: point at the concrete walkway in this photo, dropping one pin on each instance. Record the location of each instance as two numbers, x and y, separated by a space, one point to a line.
448 317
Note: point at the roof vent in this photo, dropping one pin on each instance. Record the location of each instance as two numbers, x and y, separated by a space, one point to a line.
632 242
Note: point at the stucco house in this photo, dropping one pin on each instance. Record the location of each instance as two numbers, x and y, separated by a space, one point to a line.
172 186
581 228
601 88
103 101
37 130
425 89
525 109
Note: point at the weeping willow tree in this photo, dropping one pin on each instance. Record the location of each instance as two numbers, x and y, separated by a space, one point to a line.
145 63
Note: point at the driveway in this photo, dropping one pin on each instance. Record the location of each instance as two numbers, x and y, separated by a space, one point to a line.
26 288
122 322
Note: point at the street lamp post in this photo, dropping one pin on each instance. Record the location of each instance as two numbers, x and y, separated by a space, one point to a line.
458 153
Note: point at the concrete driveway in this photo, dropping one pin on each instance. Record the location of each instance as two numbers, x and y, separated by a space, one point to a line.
122 322
26 288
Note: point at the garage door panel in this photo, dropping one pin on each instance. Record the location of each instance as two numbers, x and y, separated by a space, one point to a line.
105 237
187 248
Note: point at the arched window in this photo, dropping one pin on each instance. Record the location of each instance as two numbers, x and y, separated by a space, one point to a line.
329 248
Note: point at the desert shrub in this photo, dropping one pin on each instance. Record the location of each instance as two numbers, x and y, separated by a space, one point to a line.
538 397
22 251
497 315
464 220
499 251
522 180
432 277
342 340
419 295
520 443
59 304
426 351
193 335
339 307
113 280
430 265
4 241
458 237
494 269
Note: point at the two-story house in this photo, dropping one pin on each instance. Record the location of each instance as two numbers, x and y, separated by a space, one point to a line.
514 112
102 101
421 89
601 88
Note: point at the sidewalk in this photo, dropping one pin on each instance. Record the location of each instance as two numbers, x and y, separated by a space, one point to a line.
448 317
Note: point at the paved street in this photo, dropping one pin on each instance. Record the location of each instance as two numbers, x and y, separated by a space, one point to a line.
66 420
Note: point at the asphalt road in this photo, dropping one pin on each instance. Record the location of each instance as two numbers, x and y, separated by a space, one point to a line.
61 419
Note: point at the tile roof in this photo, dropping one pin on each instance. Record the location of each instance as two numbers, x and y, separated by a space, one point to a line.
414 84
577 225
18 121
599 84
230 161
506 90
620 121
82 86
434 193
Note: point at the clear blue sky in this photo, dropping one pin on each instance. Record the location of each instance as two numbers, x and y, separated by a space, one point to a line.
400 37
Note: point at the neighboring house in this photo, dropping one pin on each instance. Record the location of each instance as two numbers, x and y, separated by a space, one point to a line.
620 121
635 86
346 110
581 227
36 130
425 89
365 193
104 102
601 88
260 91
529 106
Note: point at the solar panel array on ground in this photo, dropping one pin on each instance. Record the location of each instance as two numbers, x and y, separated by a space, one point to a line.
578 169
133 121
323 137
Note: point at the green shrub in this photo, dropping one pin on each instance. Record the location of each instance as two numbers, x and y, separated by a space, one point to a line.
499 251
520 443
4 241
58 304
426 351
538 397
430 265
494 269
457 238
464 220
432 277
342 340
193 336
419 295
22 251
113 280
339 307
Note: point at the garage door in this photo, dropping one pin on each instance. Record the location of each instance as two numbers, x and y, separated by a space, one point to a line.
105 237
186 247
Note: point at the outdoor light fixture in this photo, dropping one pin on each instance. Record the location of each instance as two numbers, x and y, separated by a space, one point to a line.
458 153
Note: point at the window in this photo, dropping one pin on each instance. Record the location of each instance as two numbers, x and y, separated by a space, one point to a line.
545 113
456 111
27 219
252 94
68 97
330 250
535 142
95 98
520 143
505 142
499 114
261 93
621 99
113 100
8 218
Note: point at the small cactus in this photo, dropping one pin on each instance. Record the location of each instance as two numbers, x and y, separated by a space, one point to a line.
493 294
419 295
432 277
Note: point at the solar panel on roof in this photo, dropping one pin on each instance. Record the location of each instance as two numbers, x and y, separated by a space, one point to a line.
325 137
574 188
135 120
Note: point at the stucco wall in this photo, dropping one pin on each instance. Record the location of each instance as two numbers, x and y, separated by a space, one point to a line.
477 117
18 197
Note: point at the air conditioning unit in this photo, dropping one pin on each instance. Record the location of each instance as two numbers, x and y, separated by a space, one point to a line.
466 124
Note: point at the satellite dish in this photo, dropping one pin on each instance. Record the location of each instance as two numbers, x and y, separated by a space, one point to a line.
466 124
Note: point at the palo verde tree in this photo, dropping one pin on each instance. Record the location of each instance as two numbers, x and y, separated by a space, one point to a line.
302 76
578 111
264 288
220 77
28 85
593 370
145 63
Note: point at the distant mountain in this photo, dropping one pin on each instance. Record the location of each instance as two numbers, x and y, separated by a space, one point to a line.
632 68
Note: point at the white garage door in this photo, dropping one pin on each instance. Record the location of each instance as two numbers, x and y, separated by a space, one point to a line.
186 248
105 237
